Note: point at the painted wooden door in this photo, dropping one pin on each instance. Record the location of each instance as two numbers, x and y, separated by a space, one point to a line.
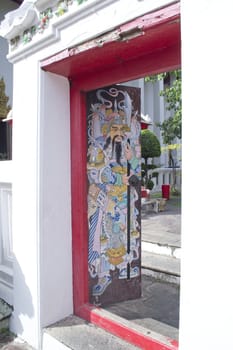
114 183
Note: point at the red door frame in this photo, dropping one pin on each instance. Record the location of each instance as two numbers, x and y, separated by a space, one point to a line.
148 45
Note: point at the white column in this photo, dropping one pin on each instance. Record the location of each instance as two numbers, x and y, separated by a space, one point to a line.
141 85
42 243
55 200
206 315
6 255
25 205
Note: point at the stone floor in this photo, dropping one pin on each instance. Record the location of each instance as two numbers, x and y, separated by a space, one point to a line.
8 341
157 310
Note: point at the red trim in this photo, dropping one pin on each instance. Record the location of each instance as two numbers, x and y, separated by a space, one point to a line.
158 62
129 334
156 21
136 41
154 47
79 196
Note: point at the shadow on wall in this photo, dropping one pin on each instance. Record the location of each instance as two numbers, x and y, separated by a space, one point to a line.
24 306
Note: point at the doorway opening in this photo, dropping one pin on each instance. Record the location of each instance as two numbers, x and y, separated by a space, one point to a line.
148 298
95 68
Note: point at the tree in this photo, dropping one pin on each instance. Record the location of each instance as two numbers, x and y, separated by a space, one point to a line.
4 110
150 146
4 107
171 128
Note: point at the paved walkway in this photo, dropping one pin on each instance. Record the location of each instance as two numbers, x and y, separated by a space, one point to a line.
161 241
164 227
158 309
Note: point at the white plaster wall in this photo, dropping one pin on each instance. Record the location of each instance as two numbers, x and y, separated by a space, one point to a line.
25 206
6 171
6 256
206 313
6 176
41 201
55 200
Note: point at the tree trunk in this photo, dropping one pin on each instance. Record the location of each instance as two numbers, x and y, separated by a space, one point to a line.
172 164
146 171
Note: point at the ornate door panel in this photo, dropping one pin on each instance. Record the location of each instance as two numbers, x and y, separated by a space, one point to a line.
114 183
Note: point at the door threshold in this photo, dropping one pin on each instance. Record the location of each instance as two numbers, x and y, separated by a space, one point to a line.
99 328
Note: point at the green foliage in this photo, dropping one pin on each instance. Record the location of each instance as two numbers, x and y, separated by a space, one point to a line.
150 184
149 167
155 77
4 107
172 127
150 144
150 148
145 169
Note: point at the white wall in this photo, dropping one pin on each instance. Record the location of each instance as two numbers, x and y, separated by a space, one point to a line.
41 201
206 313
206 268
25 205
6 249
55 200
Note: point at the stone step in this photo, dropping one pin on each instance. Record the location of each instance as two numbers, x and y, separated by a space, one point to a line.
76 334
162 248
162 267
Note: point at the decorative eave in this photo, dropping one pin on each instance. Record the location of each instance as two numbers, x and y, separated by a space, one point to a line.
18 20
36 24
32 17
